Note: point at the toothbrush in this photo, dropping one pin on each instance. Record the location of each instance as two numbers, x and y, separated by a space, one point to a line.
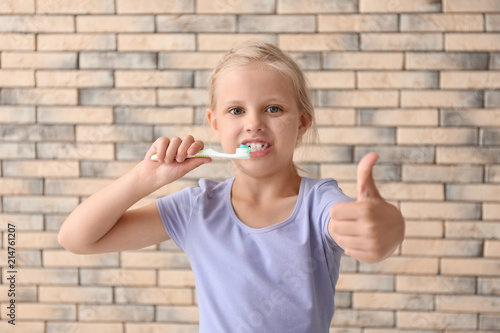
243 152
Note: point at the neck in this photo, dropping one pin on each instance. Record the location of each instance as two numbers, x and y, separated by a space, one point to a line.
264 189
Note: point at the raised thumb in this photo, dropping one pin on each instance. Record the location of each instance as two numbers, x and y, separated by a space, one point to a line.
366 184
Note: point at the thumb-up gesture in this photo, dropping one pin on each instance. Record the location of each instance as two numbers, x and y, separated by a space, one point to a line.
369 229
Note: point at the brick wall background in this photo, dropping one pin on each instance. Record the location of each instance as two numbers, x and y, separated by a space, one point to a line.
86 87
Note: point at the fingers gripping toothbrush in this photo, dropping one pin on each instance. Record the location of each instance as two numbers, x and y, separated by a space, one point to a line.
243 152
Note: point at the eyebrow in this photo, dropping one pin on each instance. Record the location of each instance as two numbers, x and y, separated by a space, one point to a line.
267 100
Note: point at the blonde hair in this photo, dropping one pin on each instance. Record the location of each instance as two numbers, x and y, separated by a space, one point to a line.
272 56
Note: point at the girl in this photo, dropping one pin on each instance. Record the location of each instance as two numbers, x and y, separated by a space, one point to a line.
264 246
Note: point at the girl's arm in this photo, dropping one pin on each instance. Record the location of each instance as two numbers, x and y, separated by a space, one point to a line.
370 229
103 223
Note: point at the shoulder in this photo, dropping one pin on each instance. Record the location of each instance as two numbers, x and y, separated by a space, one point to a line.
323 192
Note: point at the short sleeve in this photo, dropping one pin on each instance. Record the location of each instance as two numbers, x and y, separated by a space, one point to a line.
175 212
329 194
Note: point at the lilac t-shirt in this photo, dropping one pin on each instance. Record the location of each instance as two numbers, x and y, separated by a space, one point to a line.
275 279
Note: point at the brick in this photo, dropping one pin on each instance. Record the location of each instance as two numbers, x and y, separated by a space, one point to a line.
154 327
17 150
489 322
442 22
74 115
391 301
398 117
113 133
36 133
118 60
359 98
388 80
470 267
74 187
197 23
402 265
112 23
467 155
173 97
39 96
317 6
488 286
398 6
74 78
347 172
117 277
323 154
105 169
29 60
50 276
131 151
448 60
17 114
330 79
188 314
348 317
17 42
17 7
176 278
45 23
435 320
36 204
356 135
491 211
492 99
224 42
20 186
63 327
156 42
401 42
25 221
437 136
411 191
398 155
492 174
472 229
62 258
75 151
154 296
38 240
235 7
318 42
442 173
76 42
154 7
35 311
436 284
480 6
441 210
276 23
334 116
468 304
470 80
472 192
155 116
492 22
470 117
357 23
17 78
472 42
112 97
189 60
366 282
441 98
41 169
423 229
146 79
72 7
116 312
495 61
363 60
444 248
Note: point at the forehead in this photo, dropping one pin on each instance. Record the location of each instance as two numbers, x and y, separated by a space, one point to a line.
254 80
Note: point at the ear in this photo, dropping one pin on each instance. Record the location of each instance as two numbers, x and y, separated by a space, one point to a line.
305 122
213 122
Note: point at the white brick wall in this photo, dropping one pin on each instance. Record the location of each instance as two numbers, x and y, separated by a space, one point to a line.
86 86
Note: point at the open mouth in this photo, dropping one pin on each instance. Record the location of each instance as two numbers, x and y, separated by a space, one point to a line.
258 146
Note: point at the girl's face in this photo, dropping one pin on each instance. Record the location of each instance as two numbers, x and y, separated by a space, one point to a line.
256 106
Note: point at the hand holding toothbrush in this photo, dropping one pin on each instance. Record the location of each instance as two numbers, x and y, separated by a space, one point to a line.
369 229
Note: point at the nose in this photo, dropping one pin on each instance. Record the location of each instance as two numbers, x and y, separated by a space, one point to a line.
254 122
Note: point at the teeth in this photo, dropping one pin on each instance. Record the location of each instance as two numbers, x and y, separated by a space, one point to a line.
258 146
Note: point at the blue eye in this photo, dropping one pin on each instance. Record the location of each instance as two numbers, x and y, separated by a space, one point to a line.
236 111
274 109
